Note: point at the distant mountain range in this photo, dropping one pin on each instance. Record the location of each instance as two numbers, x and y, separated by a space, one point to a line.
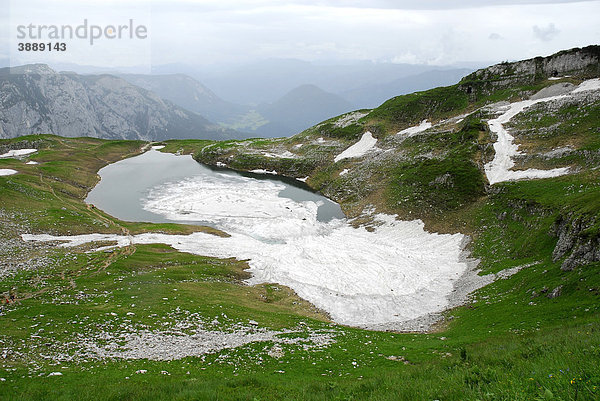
283 97
273 98
34 99
295 111
301 108
268 80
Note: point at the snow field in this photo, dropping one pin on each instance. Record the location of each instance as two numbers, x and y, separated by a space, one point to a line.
395 273
7 171
360 148
408 132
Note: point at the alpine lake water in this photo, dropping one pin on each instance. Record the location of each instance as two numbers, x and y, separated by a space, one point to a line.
125 184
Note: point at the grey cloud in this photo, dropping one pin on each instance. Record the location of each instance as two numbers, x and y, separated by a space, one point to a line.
381 4
546 34
428 4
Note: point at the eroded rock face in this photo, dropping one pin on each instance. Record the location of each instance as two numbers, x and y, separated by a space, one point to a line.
583 62
35 99
579 248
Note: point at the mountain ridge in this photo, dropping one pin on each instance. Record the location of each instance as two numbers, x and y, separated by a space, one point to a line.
301 108
37 99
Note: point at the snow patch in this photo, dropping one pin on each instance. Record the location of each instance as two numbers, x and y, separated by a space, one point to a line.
408 132
31 162
499 169
303 179
360 148
158 147
344 171
262 171
7 171
589 85
17 153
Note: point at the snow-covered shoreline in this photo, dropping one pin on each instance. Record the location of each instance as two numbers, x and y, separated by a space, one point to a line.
392 272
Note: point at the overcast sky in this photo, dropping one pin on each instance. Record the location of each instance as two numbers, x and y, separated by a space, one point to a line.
437 32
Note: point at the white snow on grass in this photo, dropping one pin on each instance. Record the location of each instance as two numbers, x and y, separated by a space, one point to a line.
360 148
499 169
303 179
17 153
408 132
158 147
395 273
344 171
31 162
79 240
7 171
262 171
589 85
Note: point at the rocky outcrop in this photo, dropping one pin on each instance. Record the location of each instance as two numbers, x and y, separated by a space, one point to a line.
555 293
27 144
575 242
583 63
34 99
